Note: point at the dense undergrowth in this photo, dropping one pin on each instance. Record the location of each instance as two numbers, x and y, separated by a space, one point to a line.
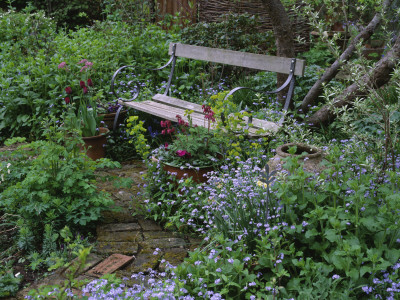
285 235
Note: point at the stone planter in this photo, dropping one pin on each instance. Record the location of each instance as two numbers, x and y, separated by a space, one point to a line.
95 145
309 155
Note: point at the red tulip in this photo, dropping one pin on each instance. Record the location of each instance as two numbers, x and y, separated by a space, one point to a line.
85 90
68 90
89 82
67 100
82 84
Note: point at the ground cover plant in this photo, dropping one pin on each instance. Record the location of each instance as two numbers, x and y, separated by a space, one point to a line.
288 234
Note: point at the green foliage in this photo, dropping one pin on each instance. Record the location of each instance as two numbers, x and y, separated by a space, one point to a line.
136 129
64 13
56 188
9 283
234 32
224 269
33 85
193 146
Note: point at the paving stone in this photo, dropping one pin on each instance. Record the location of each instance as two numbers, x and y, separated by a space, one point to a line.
159 234
54 279
143 262
124 196
123 216
163 243
174 256
110 265
116 227
91 260
120 236
149 225
127 248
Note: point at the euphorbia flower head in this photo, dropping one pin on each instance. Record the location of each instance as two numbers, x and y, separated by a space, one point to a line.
68 90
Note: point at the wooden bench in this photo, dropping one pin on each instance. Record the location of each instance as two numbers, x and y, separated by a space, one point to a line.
168 107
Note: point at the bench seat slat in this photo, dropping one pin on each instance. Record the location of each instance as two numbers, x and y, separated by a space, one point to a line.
165 111
168 112
177 103
237 58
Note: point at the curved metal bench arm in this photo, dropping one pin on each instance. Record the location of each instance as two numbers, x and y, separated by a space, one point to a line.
289 82
137 85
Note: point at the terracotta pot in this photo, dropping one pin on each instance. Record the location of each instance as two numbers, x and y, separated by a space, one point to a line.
109 118
312 159
197 175
95 144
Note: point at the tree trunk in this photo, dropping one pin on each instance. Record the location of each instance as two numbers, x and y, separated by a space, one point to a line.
331 72
283 36
379 76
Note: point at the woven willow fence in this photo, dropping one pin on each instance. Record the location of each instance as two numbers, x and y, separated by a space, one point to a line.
211 11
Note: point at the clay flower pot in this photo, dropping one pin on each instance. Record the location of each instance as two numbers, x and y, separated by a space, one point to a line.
109 118
196 173
309 155
95 144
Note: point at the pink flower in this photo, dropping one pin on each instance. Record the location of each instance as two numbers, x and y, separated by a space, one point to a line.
63 65
82 84
68 90
183 153
163 132
166 146
67 100
162 123
89 82
83 61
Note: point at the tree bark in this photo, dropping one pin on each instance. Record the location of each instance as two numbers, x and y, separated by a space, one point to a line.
379 76
331 72
283 35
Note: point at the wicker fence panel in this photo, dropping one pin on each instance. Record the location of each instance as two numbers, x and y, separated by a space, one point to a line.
171 7
211 11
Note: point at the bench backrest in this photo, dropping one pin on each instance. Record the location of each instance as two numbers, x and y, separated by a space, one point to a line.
237 58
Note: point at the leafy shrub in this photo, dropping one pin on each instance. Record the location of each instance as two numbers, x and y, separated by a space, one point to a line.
234 32
47 183
9 283
68 14
32 85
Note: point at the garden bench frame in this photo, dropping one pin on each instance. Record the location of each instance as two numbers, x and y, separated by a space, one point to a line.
167 107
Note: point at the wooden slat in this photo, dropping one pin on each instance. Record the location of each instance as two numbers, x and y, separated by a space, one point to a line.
169 113
267 125
237 58
164 111
177 103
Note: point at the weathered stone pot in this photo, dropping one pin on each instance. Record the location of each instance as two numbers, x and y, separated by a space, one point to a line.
95 145
309 155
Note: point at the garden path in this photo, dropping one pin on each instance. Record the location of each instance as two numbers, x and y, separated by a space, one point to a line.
124 230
